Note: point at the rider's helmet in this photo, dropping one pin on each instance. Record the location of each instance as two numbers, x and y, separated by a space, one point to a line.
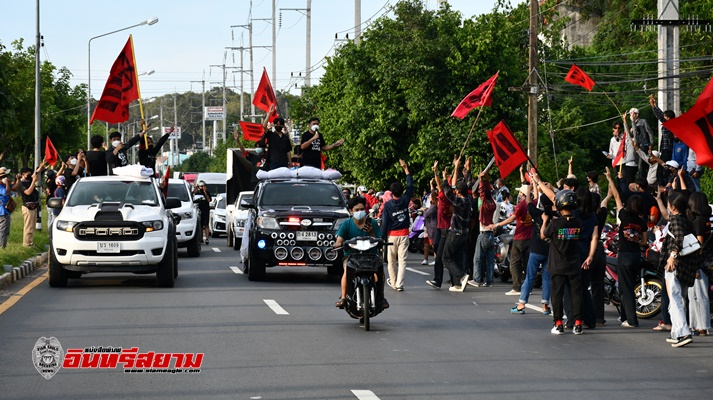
566 200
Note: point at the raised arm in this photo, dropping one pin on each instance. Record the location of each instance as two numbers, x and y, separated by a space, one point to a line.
613 192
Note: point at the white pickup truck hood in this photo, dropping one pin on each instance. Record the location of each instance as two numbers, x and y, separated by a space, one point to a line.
129 213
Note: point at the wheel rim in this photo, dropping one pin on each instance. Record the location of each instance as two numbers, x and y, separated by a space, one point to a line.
648 299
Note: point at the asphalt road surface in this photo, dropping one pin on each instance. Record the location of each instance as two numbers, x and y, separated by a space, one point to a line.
284 339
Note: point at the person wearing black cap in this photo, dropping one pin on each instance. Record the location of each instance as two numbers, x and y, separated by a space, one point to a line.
279 146
312 145
116 155
147 155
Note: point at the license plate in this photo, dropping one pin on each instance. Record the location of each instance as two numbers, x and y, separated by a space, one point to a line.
307 236
108 247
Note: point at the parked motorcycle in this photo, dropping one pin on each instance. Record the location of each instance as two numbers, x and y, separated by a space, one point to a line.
647 292
365 294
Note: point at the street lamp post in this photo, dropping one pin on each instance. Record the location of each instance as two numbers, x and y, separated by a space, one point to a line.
89 71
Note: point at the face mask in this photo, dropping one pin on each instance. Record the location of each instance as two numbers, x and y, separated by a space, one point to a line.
115 143
258 150
72 161
359 215
315 128
4 180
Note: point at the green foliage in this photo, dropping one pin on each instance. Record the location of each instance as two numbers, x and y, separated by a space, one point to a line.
15 253
198 162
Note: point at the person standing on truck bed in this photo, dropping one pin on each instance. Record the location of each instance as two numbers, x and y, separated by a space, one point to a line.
312 145
279 146
147 155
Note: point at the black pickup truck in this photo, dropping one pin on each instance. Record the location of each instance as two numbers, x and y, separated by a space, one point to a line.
293 222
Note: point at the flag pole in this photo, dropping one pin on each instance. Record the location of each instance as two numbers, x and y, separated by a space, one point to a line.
138 90
480 109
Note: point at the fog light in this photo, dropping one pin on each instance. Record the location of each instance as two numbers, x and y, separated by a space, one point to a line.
283 235
314 253
280 253
291 235
261 244
274 235
331 254
321 236
297 253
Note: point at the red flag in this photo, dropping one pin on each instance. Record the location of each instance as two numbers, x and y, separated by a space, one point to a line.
166 176
481 96
694 127
508 153
265 96
51 155
620 153
251 131
121 88
576 76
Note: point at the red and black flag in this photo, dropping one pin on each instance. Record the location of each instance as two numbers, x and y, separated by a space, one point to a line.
265 96
576 76
695 127
51 155
121 88
509 154
481 96
251 131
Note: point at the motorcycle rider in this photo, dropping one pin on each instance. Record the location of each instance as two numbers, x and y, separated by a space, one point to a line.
359 225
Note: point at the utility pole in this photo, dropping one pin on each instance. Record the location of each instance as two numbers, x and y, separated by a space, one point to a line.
202 109
242 71
274 44
534 88
308 38
175 137
357 21
669 96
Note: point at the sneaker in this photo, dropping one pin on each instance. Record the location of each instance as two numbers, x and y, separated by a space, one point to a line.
486 284
671 340
546 311
473 283
558 329
626 324
577 329
424 262
682 341
455 289
432 263
433 284
516 310
512 292
464 282
400 289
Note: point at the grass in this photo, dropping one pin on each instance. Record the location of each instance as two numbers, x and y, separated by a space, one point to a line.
15 253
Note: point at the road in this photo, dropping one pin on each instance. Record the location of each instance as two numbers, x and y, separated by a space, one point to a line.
429 345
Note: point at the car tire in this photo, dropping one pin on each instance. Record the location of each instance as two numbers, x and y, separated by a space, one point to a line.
175 260
237 243
256 269
58 275
165 272
194 246
215 234
230 237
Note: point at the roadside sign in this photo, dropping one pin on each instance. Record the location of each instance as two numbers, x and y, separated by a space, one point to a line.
176 133
214 113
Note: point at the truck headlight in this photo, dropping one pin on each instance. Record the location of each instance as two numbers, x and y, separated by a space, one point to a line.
153 225
339 222
67 226
267 223
185 215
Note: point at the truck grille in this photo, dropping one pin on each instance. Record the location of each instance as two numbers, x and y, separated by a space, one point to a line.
103 232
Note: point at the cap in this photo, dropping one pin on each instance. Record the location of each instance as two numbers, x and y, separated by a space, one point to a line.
656 153
361 189
634 110
672 163
60 180
4 171
522 188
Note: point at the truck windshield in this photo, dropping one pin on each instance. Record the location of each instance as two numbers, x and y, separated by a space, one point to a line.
301 194
179 191
90 192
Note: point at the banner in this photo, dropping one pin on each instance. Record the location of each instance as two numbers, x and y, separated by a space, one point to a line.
481 96
251 131
620 153
508 153
120 90
576 76
695 127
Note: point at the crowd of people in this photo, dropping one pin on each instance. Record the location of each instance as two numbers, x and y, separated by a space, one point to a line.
657 199
56 180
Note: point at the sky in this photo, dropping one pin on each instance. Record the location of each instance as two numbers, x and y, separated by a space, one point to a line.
191 36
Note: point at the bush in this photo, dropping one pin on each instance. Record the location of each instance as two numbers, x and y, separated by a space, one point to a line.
15 253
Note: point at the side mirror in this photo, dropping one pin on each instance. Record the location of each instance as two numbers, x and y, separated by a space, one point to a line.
247 203
173 202
54 202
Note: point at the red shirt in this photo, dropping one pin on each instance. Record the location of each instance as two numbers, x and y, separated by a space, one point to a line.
523 222
445 211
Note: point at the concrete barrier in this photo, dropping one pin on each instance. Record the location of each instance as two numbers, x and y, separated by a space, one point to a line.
13 274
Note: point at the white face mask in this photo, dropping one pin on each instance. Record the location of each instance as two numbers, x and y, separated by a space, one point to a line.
359 215
315 128
115 143
4 180
72 161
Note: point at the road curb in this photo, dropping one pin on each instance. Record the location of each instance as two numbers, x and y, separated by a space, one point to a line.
17 273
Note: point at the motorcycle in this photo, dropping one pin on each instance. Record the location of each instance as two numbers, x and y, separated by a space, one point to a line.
365 296
647 292
503 241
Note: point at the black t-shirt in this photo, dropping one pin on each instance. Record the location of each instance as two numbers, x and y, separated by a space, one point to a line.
537 245
702 227
96 160
631 229
33 197
563 258
312 155
278 147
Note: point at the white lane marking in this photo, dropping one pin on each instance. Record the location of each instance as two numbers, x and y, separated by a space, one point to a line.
275 307
365 395
417 271
237 270
215 249
531 307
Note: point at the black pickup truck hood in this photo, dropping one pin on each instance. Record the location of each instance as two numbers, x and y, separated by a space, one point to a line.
304 212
